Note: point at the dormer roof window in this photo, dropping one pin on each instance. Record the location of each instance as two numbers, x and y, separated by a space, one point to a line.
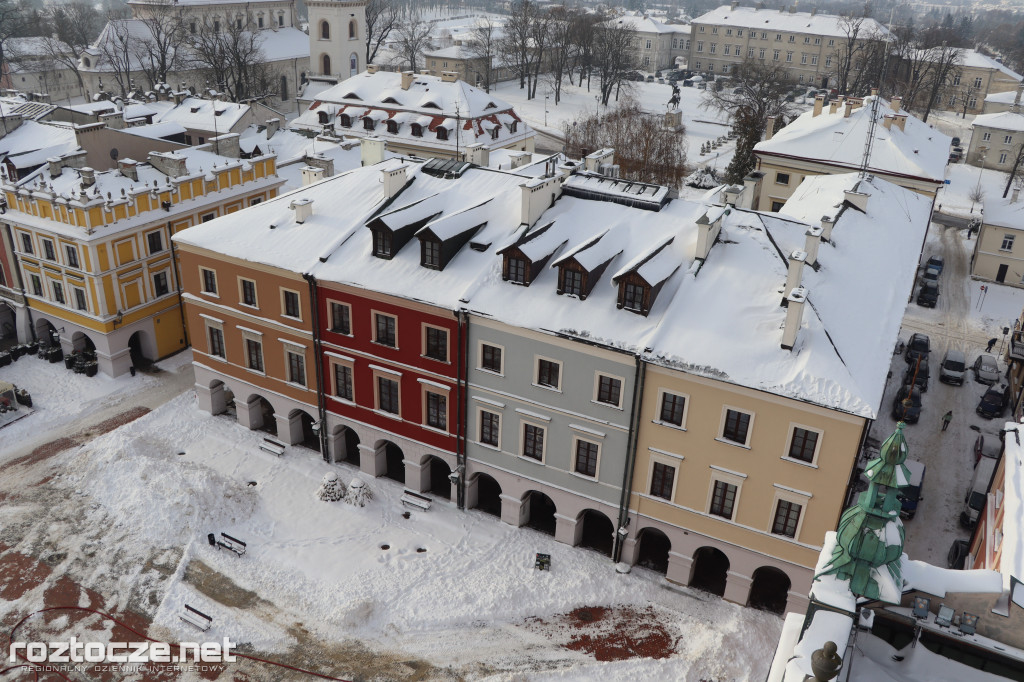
394 229
581 268
441 239
345 120
368 123
392 126
640 281
526 257
442 133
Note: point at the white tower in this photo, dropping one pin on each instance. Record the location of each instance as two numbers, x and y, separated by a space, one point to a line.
337 37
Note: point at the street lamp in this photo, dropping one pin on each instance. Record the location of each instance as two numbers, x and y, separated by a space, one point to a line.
546 110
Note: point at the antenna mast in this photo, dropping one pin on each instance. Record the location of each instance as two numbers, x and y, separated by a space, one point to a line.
873 119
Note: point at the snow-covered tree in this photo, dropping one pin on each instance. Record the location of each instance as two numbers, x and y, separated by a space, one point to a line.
331 489
703 178
358 493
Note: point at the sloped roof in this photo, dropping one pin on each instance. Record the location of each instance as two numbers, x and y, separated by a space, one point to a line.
204 116
792 22
1004 120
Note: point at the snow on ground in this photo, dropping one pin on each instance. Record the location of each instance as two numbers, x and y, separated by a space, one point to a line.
955 198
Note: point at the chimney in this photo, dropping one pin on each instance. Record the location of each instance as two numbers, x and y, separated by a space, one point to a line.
311 174
407 79
794 317
56 165
1015 195
273 125
227 145
733 5
1016 99
795 274
887 121
449 76
372 150
88 176
74 159
849 108
857 102
479 154
169 163
179 96
129 169
827 223
834 105
707 233
733 194
371 68
769 128
539 194
901 120
874 92
320 161
858 200
303 209
896 103
394 180
593 162
819 103
811 244
519 159
751 189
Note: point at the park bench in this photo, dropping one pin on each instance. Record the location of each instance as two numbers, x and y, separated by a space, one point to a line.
197 618
226 542
413 499
272 446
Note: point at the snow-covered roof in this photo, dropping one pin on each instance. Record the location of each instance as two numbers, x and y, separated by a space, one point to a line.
285 42
793 22
643 23
32 143
289 146
1004 120
156 131
453 52
975 59
1002 97
1012 550
1004 212
918 151
195 113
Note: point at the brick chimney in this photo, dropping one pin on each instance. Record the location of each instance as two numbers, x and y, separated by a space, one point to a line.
811 244
407 78
311 174
794 317
169 163
819 104
394 180
795 274
372 150
849 108
303 209
901 121
129 169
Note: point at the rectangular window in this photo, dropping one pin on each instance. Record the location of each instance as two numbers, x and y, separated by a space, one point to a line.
437 410
673 408
384 327
736 427
387 395
517 270
437 344
750 52
807 40
831 42
648 44
254 354
633 296
572 282
533 442
787 516
739 33
296 368
72 254
80 303
817 41
726 50
341 318
609 390
216 342
160 287
26 243
700 46
48 251
663 477
789 56
209 216
985 137
764 35
760 53
828 61
156 242
431 254
1007 242
977 83
775 55
382 244
814 60
803 444
728 31
723 499
291 304
782 178
586 458
713 46
547 373
343 382
778 37
249 292
209 281
803 58
490 428
58 292
792 39
37 285
490 358
1008 139
1002 158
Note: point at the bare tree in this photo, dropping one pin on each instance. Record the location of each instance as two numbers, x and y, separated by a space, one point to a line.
156 49
540 36
232 58
482 49
562 48
73 27
115 45
858 45
381 20
946 62
413 38
12 24
614 56
514 46
1014 170
645 149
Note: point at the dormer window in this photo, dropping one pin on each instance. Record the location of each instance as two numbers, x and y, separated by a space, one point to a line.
322 117
390 100
512 126
345 120
516 270
442 133
494 133
633 297
195 110
382 244
392 126
430 105
430 254
572 282
417 130
368 123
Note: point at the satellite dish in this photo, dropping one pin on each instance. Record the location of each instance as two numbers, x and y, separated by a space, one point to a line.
114 153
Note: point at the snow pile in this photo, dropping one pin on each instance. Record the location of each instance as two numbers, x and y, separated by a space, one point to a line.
358 494
331 490
702 178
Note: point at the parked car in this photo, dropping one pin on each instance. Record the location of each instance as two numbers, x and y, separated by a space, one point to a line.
986 370
634 76
935 262
930 274
955 142
954 157
953 368
918 345
980 451
917 374
911 412
993 403
974 498
911 494
928 297
957 555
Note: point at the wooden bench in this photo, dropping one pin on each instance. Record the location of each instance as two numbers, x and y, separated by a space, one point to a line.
411 498
272 446
230 543
197 618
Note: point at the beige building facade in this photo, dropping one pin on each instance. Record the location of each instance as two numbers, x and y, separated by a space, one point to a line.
999 251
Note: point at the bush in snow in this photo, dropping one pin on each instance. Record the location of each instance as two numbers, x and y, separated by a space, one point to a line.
331 489
703 178
358 493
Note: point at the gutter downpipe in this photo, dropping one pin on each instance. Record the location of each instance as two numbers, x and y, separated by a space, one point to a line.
177 285
21 283
627 482
463 373
321 408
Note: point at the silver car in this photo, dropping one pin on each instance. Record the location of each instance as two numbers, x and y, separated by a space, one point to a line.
986 371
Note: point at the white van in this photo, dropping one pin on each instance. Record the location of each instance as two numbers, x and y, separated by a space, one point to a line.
977 491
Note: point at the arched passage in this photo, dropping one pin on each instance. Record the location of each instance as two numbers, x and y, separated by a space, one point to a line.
597 531
652 551
346 445
488 495
309 437
136 350
394 460
540 512
265 416
440 484
710 570
8 326
81 343
769 589
46 333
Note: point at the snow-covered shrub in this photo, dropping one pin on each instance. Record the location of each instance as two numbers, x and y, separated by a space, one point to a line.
358 493
331 489
703 178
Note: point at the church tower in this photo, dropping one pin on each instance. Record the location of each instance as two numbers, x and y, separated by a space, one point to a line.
337 37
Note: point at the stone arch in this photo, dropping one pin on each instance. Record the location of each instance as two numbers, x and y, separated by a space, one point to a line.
81 343
260 414
325 30
217 399
325 64
302 429
769 589
488 495
8 325
438 473
540 512
345 445
140 349
710 570
596 531
652 550
46 333
394 460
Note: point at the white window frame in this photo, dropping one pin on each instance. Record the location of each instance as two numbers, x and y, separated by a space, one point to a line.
674 461
241 293
209 324
661 399
333 329
572 463
284 310
480 358
597 388
147 235
1008 240
521 446
985 137
490 409
793 426
68 250
721 426
787 495
536 373
74 298
202 282
732 478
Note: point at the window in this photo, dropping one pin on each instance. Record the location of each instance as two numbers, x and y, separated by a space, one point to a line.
750 52
296 367
807 40
238 24
663 478
341 318
58 292
48 250
831 42
609 390
764 35
828 61
382 244
736 427
387 395
156 242
490 358
490 428
280 20
547 373
431 252
1008 139
792 39
803 443
160 287
517 270
1007 242
72 254
700 46
817 41
325 31
216 26
787 516
436 344
714 29
633 296
352 30
343 382
814 60
648 44
803 58
254 354
26 243
533 442
384 330
249 293
673 409
216 345
739 33
442 133
728 31
782 178
778 37
713 46
789 56
368 123
977 83
972 102
291 304
259 23
700 29
209 281
80 303
437 410
417 130
760 53
586 457
984 138
37 285
1002 158
697 66
572 282
726 50
775 55
711 67
723 499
